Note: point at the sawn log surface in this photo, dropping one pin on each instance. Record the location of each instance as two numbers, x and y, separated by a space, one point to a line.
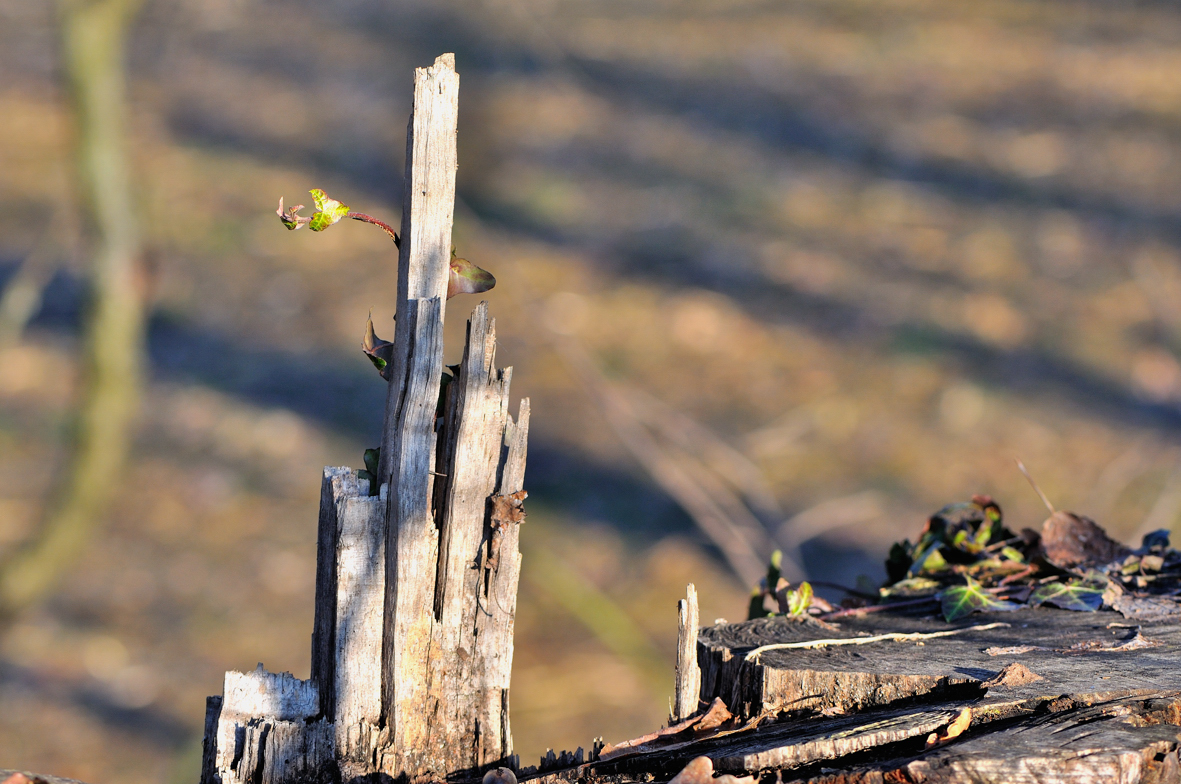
1086 697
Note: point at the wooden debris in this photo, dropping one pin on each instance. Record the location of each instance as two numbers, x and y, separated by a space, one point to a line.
688 674
416 583
1086 702
951 731
1015 674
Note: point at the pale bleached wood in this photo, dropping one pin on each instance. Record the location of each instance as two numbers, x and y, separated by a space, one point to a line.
324 623
266 731
428 207
496 594
412 545
416 586
408 440
474 433
360 604
688 675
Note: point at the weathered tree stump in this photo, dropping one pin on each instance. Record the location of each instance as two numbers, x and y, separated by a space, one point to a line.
1038 695
416 584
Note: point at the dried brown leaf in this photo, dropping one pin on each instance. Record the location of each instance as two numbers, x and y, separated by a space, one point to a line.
712 720
1071 541
379 351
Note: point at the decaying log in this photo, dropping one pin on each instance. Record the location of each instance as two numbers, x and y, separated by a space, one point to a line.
1049 696
416 584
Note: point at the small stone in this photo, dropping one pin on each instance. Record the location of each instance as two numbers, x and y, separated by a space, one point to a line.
500 776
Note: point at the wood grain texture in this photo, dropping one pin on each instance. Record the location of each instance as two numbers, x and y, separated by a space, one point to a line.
265 731
408 440
412 542
497 597
474 435
416 586
360 604
852 678
879 712
688 673
428 207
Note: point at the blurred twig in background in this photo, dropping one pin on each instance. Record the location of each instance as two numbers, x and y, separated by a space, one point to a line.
597 611
92 34
23 293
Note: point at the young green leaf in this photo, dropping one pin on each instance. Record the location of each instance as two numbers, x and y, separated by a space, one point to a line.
961 600
379 351
466 278
329 212
930 560
1079 595
799 600
291 218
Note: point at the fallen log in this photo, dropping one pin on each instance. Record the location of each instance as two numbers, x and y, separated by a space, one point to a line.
1036 695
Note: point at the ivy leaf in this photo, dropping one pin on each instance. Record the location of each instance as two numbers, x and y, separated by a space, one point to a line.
372 459
899 561
379 351
329 212
931 560
911 588
774 568
1078 595
961 600
467 278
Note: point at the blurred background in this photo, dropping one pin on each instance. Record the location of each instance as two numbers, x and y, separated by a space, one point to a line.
791 273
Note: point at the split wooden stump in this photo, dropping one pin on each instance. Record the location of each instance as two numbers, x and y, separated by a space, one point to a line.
416 579
416 585
1037 695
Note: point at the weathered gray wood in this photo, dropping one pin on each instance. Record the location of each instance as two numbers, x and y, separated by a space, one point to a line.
497 596
360 604
408 442
267 732
428 207
412 542
324 622
474 428
851 678
688 674
1053 696
416 585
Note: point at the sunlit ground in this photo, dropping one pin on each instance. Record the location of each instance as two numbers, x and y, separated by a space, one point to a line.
879 249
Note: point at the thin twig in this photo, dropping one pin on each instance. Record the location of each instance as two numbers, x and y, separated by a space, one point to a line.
845 589
1036 489
388 229
896 636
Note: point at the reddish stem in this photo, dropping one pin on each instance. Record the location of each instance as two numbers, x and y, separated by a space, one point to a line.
876 608
379 223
